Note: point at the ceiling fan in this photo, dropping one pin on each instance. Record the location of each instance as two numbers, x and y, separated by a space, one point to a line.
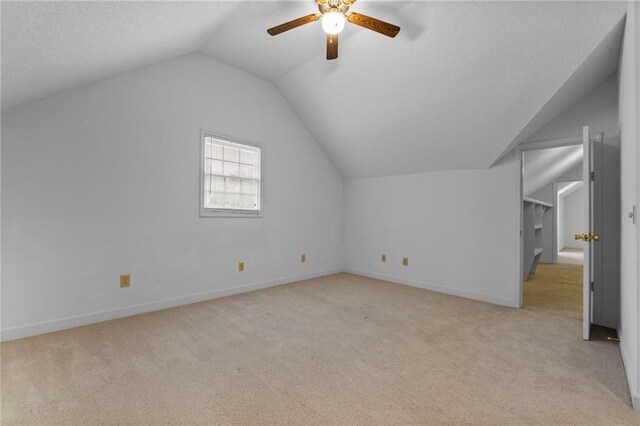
334 16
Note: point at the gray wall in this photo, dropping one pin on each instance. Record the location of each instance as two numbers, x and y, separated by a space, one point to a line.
546 194
629 102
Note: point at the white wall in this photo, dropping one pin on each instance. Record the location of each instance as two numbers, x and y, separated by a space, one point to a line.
636 19
573 218
629 75
560 213
0 220
560 223
459 230
103 181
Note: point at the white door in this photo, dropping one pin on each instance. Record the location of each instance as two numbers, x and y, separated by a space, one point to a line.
587 237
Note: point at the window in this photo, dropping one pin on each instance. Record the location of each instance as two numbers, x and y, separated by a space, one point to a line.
230 177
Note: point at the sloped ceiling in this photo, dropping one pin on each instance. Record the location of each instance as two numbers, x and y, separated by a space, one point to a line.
453 90
601 64
51 47
544 166
241 40
598 109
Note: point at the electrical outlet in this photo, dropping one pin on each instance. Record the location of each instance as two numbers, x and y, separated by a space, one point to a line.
383 258
241 266
125 280
303 258
405 261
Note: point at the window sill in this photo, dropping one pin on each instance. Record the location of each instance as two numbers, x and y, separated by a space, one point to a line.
208 214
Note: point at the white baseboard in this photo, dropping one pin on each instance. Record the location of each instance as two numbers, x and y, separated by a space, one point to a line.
22 331
635 396
503 301
635 402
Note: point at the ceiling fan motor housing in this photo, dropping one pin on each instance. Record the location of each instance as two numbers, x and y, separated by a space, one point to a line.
341 6
333 14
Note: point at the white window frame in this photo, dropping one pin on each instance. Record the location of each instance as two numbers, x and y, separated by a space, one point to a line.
218 212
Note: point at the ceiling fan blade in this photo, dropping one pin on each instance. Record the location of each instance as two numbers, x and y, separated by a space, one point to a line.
332 46
293 24
374 24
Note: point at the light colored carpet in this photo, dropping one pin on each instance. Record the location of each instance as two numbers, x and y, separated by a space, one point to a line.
571 256
335 350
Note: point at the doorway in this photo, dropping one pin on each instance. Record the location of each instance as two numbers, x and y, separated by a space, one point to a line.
546 253
552 182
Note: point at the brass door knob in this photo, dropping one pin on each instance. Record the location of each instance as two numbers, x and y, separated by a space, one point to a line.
587 237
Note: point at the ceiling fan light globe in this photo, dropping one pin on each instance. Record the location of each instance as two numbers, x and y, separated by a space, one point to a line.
333 22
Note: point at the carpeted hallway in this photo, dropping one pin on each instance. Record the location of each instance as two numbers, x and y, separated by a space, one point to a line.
341 349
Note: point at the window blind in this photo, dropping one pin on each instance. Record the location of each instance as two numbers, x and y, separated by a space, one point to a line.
231 175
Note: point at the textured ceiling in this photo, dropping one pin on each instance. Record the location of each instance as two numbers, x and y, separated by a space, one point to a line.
451 93
241 40
544 166
453 90
598 109
51 47
601 64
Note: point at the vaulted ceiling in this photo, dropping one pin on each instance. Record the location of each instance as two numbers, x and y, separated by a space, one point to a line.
455 89
544 166
51 47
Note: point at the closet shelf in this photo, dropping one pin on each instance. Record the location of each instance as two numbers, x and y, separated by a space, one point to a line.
534 201
534 215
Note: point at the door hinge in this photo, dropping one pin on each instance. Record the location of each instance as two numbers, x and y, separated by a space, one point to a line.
592 286
593 175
